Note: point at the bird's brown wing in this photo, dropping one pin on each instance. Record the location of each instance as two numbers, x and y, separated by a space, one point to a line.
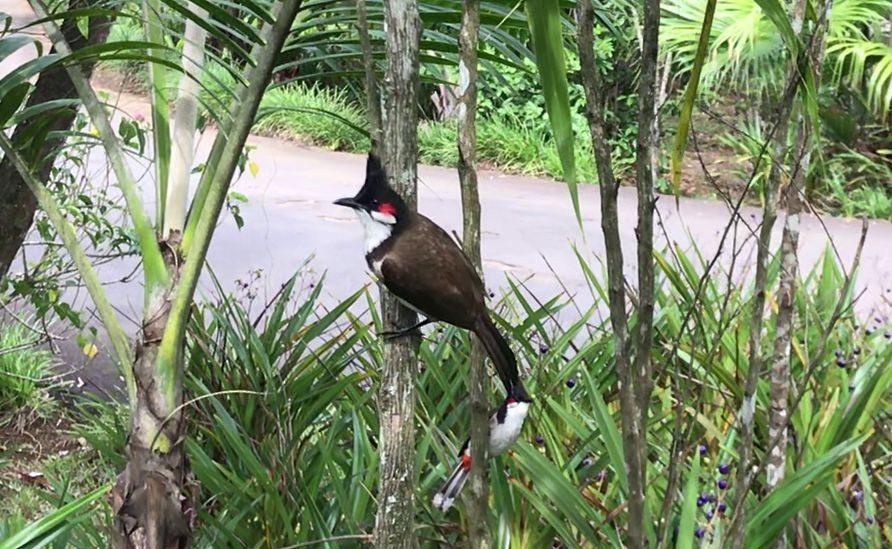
428 270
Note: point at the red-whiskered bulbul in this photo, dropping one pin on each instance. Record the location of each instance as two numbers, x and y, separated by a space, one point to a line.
504 428
420 264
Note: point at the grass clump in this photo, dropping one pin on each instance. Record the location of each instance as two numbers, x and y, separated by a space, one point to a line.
314 114
24 375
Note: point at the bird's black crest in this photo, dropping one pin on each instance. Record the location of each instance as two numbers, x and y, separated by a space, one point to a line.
374 171
375 185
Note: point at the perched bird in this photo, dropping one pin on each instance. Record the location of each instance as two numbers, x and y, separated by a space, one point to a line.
504 428
420 264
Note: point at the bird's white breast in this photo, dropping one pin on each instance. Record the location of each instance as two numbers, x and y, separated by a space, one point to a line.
376 231
503 435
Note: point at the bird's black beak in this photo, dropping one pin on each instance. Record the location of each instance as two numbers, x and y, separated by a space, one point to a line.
348 202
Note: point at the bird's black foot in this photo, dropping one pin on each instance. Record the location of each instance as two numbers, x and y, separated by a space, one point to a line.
411 330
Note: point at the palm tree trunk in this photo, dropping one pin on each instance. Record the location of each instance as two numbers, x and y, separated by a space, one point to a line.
154 500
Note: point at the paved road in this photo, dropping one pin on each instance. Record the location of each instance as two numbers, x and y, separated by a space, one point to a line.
529 228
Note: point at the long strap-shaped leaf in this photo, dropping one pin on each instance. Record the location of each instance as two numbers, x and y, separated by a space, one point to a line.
544 19
48 204
34 533
160 109
153 263
797 491
690 95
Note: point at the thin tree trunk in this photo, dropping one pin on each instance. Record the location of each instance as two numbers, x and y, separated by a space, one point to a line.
17 203
477 509
394 524
778 418
609 188
372 97
780 368
737 530
748 407
646 163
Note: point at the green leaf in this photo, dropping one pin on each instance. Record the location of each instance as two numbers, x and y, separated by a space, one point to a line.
11 44
160 110
51 524
36 110
690 95
776 11
12 101
611 435
544 20
794 494
554 489
689 506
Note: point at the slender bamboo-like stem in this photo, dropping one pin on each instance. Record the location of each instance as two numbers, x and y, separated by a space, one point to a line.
120 342
211 163
609 189
156 275
243 119
372 97
184 128
477 509
785 104
394 524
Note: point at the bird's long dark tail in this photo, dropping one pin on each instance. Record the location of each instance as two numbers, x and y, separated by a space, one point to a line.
502 356
444 499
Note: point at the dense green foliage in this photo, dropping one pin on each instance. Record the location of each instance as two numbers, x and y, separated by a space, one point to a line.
284 421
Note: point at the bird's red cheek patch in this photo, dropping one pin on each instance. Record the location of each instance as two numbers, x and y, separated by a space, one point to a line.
466 462
387 208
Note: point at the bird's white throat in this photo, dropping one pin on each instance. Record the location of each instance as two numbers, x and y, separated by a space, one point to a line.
377 227
503 435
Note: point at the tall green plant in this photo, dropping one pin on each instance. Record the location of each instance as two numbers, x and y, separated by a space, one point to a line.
151 493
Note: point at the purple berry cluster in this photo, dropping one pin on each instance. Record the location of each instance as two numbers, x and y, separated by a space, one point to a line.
877 323
711 503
